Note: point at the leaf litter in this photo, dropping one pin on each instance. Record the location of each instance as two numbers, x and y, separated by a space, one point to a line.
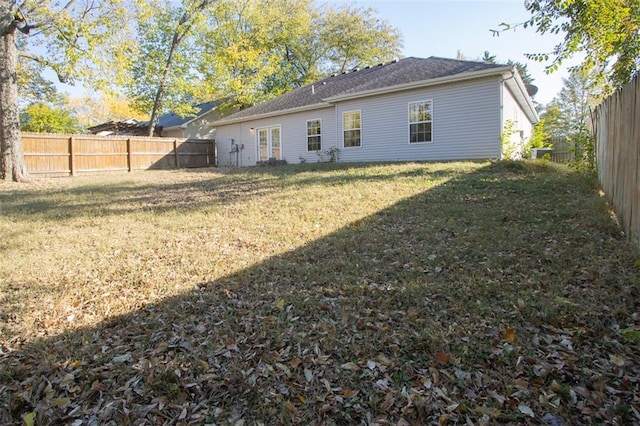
430 294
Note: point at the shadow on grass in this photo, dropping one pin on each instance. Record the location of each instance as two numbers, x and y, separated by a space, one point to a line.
227 185
401 315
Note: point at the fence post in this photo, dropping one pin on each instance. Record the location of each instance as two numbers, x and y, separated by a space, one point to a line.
129 155
175 150
72 160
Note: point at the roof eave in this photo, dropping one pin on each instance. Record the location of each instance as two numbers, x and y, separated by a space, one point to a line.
521 91
272 114
419 84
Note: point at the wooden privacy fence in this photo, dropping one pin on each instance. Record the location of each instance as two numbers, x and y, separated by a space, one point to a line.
616 128
69 155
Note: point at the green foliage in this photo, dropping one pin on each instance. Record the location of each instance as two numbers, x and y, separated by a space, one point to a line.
259 49
540 138
163 75
567 115
509 148
606 32
43 118
522 68
331 155
80 41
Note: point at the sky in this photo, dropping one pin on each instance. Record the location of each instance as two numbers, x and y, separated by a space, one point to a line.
444 27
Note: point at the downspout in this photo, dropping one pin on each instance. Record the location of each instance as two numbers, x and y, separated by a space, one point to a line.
337 131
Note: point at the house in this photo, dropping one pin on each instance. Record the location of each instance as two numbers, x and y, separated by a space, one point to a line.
196 126
408 109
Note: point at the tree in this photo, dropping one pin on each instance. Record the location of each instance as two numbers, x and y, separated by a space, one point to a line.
258 49
607 32
522 68
165 58
86 39
45 118
100 107
355 37
568 114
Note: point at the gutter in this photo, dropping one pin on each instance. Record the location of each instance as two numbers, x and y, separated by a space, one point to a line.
532 114
272 114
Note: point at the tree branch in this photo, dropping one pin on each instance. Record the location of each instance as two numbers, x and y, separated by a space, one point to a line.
61 76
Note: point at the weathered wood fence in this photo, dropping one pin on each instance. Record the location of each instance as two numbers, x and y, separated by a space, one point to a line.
616 128
70 155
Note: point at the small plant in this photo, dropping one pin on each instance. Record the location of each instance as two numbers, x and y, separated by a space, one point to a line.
332 155
510 150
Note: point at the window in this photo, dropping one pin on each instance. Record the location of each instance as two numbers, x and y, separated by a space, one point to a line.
420 122
351 128
314 135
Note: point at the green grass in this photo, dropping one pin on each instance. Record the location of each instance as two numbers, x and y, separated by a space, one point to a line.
326 294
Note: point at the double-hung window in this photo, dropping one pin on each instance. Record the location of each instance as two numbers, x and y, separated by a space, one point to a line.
420 121
314 135
351 128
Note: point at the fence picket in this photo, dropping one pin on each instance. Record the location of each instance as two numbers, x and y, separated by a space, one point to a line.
616 129
69 155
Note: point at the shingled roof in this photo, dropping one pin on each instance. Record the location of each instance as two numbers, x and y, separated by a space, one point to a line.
364 80
171 119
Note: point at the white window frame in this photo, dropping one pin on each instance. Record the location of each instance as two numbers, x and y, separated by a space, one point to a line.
319 120
355 128
409 122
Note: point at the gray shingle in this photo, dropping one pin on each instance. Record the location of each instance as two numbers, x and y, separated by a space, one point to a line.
172 119
376 77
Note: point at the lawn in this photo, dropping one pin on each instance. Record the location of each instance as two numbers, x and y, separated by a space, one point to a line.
402 294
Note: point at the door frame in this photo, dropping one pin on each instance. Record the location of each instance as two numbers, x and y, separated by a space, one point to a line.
269 130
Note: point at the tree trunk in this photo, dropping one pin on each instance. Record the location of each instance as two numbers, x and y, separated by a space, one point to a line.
12 164
153 121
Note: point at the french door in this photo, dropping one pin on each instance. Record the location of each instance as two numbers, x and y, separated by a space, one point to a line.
268 143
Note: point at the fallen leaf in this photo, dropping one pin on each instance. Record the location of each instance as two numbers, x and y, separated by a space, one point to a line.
526 410
295 362
443 357
352 366
617 360
510 335
280 304
348 393
308 375
60 402
29 419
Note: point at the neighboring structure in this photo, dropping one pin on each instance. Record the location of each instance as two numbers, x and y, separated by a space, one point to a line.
193 127
197 126
411 109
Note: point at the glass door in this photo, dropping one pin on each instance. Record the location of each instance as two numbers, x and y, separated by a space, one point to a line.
262 145
269 143
275 142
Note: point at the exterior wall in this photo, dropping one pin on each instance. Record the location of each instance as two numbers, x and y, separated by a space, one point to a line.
293 137
522 128
466 125
173 133
202 128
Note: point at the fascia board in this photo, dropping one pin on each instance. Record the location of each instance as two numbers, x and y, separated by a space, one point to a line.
273 114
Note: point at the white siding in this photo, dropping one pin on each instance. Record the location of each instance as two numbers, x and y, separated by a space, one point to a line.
293 137
521 125
466 125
